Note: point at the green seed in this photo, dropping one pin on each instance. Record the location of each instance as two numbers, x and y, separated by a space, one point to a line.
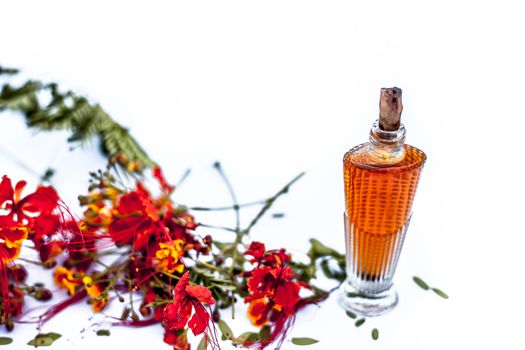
351 315
304 341
225 329
440 293
375 334
359 322
5 340
421 283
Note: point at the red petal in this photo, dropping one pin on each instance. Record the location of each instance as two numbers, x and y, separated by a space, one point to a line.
180 288
18 190
159 175
123 231
200 319
130 203
287 294
177 339
44 200
12 235
259 280
45 225
256 250
176 315
6 190
200 294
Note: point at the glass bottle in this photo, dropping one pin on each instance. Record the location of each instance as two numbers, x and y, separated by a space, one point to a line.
380 179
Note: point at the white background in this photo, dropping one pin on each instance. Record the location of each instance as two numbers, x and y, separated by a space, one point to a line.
272 88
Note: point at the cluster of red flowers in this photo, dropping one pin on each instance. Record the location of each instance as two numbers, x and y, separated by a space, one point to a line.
157 253
39 217
156 237
273 290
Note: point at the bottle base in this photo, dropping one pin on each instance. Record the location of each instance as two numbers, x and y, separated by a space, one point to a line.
363 304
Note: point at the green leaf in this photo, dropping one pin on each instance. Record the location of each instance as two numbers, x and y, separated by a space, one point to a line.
351 315
304 341
5 340
103 333
203 344
421 283
318 250
265 333
360 322
440 293
82 118
225 330
53 335
44 339
223 286
375 334
249 337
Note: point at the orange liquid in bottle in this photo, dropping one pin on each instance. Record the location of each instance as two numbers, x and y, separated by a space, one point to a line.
378 202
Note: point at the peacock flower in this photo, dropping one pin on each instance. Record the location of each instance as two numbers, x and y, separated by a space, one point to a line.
168 256
178 339
186 299
137 220
11 239
274 292
94 290
67 279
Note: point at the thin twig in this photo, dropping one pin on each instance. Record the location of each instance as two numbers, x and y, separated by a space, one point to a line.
229 186
271 200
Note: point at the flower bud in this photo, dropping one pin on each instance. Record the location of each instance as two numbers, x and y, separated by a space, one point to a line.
145 310
207 240
9 324
18 273
216 316
43 294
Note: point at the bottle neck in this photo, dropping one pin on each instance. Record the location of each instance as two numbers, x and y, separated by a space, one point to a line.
386 147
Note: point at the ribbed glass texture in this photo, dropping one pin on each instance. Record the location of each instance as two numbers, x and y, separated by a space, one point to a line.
378 210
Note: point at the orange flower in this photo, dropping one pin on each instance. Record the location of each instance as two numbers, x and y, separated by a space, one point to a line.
95 292
67 279
11 242
258 312
168 256
98 214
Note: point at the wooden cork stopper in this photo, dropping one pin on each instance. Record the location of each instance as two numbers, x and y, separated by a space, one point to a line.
390 108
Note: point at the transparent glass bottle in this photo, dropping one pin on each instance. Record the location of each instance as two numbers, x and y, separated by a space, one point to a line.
380 179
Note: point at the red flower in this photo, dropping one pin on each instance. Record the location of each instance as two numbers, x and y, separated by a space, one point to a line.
274 293
43 201
178 339
257 250
137 221
188 297
38 214
275 284
11 238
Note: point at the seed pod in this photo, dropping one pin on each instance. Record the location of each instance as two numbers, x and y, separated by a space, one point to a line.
43 294
145 310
